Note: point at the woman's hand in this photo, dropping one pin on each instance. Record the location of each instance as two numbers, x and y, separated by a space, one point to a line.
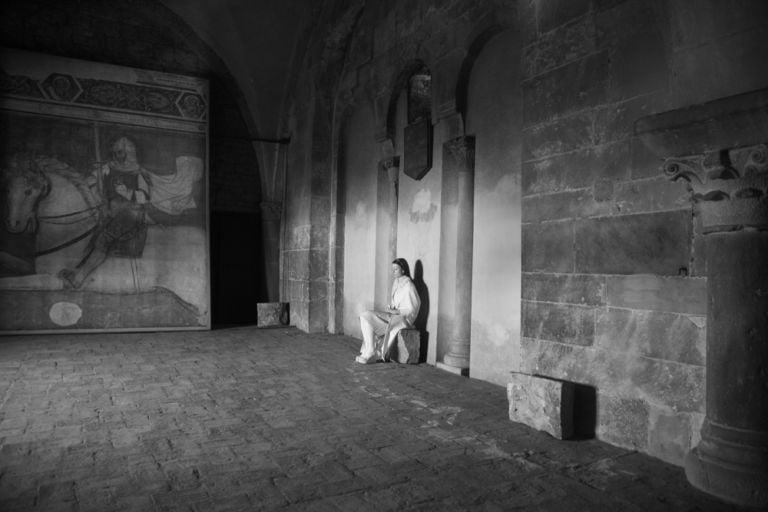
393 311
121 189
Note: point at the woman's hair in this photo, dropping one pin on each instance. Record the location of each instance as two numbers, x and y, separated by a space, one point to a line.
400 262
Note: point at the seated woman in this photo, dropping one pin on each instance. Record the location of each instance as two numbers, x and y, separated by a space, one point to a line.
380 328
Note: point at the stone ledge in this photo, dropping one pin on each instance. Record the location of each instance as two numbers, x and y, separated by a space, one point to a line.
740 120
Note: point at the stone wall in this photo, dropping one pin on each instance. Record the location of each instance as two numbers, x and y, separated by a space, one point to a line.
612 277
613 271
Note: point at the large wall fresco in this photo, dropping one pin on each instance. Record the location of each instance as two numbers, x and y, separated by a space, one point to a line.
103 176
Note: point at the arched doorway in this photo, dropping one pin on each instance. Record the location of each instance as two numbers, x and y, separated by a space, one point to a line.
494 117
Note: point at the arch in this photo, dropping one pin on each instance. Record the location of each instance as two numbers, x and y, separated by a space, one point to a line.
474 50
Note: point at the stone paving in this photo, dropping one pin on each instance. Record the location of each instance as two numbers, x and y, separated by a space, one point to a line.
275 419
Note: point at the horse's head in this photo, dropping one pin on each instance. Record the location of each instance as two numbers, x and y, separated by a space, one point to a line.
24 185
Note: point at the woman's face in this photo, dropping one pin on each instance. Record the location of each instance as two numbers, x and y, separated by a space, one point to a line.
396 270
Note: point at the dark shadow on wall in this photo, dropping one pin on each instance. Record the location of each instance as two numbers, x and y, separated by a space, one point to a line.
584 412
421 320
237 263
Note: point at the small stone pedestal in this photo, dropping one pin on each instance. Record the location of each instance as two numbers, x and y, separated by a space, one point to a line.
272 314
408 346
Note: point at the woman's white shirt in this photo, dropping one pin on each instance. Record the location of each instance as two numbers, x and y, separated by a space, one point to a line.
405 298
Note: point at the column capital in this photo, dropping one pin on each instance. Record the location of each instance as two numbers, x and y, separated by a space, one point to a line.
388 162
390 165
459 153
270 210
730 186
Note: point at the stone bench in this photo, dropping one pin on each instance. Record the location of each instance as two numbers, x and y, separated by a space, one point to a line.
408 347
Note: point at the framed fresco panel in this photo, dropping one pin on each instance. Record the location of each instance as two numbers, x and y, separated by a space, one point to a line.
103 176
418 148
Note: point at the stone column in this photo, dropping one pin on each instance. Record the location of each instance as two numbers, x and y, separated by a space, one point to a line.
730 188
456 224
270 235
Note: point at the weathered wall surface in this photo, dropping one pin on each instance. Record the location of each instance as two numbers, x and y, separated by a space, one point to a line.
587 262
295 274
418 232
494 116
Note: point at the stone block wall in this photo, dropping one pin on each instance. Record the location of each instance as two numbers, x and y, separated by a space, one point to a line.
607 240
294 273
614 285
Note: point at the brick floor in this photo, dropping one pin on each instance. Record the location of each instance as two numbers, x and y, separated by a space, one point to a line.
263 419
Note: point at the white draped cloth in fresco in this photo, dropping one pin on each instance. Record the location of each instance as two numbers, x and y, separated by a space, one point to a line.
380 328
172 193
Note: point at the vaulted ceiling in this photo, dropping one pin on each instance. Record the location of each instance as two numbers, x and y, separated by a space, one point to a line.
261 42
257 44
251 50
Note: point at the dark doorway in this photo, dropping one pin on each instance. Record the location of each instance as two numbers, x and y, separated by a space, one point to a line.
237 264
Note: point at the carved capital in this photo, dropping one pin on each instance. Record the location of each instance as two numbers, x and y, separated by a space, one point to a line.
459 153
389 162
270 211
730 186
391 166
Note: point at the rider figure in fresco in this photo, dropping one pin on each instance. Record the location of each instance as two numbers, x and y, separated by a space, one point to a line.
123 229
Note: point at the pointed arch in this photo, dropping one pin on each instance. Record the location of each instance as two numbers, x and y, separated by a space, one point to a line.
474 50
490 101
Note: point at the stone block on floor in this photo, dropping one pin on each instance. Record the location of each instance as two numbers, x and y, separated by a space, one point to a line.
408 346
541 403
270 314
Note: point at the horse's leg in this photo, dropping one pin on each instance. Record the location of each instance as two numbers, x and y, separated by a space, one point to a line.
121 227
74 278
96 252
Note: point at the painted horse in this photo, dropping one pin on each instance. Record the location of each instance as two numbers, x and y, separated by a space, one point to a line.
60 210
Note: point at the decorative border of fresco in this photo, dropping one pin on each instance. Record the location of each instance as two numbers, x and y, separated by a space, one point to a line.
78 89
152 93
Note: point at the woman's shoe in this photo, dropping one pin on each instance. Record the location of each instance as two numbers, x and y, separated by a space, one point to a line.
367 360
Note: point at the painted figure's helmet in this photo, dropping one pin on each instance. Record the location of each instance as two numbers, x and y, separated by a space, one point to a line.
124 155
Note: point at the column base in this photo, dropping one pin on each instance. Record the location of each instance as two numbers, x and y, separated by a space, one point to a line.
734 472
464 372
